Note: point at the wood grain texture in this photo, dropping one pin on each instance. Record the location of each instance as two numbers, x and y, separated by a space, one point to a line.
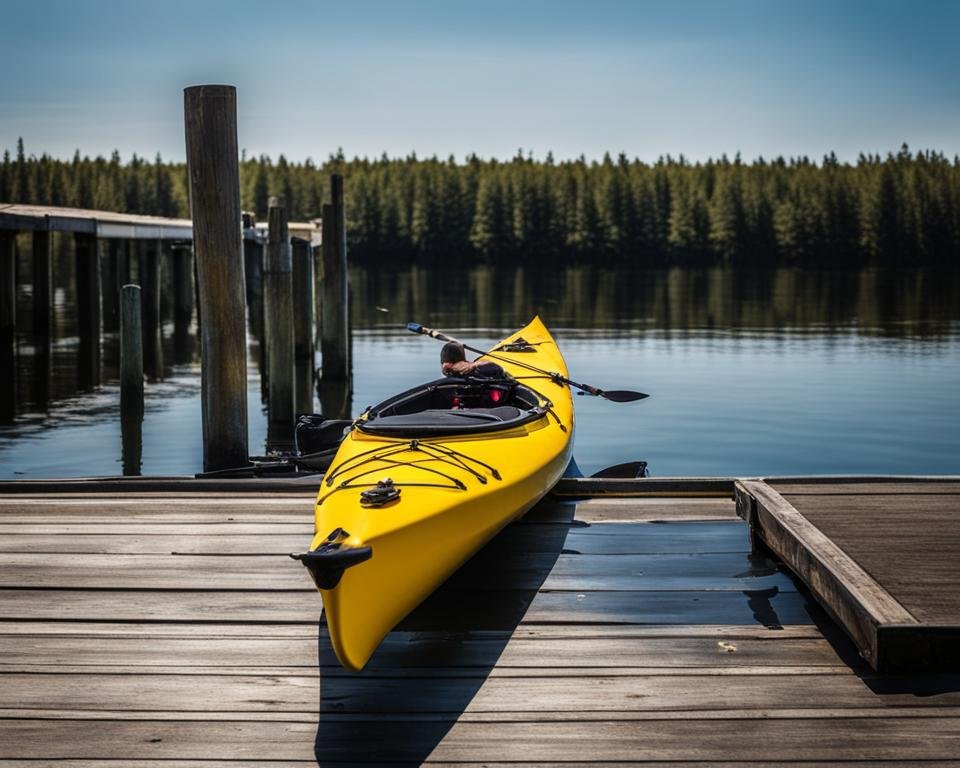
839 582
910 544
900 600
810 739
334 306
564 641
210 118
278 320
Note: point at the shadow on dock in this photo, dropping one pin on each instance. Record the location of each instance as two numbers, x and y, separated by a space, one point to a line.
428 670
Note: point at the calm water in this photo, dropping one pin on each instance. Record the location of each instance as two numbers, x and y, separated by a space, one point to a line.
785 372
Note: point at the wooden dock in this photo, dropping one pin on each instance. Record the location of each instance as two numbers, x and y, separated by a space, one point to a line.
882 557
160 623
111 225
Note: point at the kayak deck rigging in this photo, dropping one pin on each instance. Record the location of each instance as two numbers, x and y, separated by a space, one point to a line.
434 452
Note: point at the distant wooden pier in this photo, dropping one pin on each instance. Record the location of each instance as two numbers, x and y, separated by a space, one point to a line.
110 247
159 622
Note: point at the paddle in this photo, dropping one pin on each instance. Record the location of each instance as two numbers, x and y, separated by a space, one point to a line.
614 395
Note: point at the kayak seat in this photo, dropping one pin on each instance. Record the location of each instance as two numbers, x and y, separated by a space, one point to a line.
437 417
436 421
453 406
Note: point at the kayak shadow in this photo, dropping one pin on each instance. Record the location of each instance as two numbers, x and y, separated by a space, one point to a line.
431 667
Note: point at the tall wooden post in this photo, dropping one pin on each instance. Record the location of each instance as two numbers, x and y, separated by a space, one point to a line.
182 257
87 257
278 321
131 379
43 325
210 114
303 323
335 342
8 326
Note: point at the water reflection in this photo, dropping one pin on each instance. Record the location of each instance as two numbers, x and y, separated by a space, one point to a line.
921 302
734 317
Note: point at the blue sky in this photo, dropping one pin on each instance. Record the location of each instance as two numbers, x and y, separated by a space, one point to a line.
698 78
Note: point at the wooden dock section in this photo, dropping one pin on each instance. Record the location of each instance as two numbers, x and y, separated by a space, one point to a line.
160 623
110 225
883 557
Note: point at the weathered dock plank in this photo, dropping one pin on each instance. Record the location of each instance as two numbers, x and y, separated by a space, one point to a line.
638 630
883 557
798 738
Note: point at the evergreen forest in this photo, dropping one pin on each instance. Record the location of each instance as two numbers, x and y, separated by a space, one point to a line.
902 209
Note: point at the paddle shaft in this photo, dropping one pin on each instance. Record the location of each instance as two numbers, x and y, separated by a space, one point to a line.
618 396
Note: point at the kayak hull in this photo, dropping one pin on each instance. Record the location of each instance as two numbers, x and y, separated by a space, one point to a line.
445 511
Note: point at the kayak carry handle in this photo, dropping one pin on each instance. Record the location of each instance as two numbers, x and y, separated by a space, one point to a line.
327 562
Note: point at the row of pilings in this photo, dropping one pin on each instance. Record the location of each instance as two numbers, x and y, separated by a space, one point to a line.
220 274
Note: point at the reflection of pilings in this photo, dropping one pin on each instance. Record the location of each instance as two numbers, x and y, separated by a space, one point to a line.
278 319
335 344
336 399
182 257
302 273
43 326
88 309
149 275
131 436
8 326
131 379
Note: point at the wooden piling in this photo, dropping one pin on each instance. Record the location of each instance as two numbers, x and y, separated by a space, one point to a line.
278 319
43 321
210 115
303 323
182 257
131 379
131 353
42 287
253 268
110 287
87 259
149 277
302 299
8 326
335 342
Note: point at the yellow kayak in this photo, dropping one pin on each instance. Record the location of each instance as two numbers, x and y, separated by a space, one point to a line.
426 478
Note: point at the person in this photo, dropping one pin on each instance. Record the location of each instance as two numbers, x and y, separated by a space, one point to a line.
453 362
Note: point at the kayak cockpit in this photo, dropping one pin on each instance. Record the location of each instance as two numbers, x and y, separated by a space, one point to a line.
454 406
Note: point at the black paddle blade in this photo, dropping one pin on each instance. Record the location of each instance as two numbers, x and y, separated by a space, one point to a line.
623 395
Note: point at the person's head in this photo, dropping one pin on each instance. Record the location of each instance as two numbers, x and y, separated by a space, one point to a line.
452 352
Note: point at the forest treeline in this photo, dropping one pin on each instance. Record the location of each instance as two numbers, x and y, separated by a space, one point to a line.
901 209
